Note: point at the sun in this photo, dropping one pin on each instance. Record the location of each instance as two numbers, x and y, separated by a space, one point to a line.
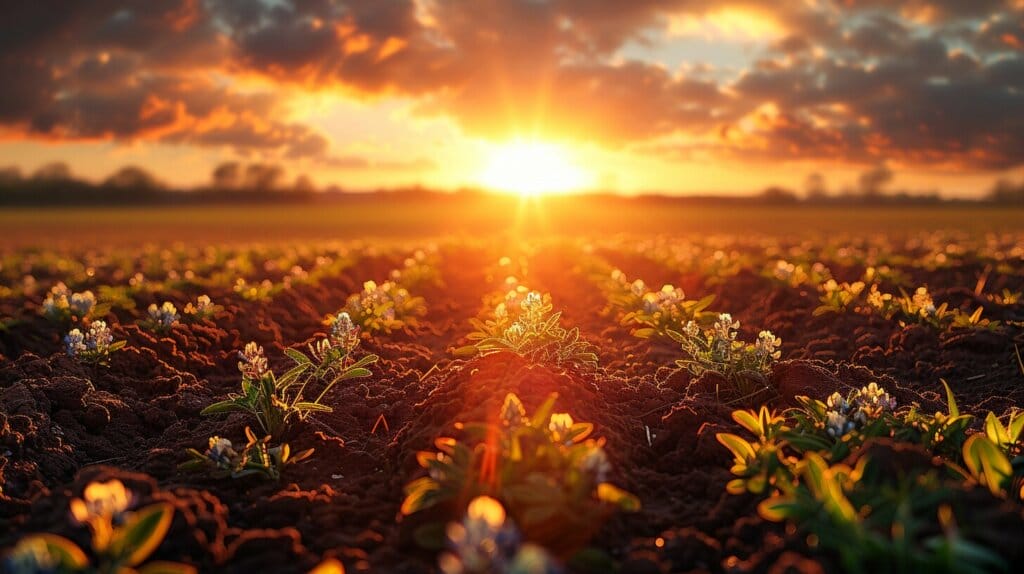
532 168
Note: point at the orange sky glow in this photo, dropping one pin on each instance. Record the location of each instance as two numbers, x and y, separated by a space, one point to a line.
533 96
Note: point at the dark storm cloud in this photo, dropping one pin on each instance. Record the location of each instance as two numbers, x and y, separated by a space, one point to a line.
923 81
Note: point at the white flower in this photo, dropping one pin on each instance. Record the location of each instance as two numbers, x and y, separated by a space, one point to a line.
532 301
82 303
252 362
104 501
837 402
767 346
344 332
838 425
725 327
164 316
595 465
691 329
74 341
221 451
560 425
923 302
99 337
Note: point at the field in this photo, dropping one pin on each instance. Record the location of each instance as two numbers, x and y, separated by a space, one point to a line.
379 330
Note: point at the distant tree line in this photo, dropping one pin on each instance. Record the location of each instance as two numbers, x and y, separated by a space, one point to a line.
232 181
55 184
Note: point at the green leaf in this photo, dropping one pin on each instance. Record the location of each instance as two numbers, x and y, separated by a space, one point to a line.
739 447
995 430
987 463
353 373
616 496
420 494
543 413
143 532
68 554
298 356
309 406
750 421
777 508
366 360
954 411
228 406
466 352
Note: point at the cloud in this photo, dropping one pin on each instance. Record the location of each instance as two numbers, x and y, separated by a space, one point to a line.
928 82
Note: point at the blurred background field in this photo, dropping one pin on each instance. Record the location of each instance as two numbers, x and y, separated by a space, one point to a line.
382 217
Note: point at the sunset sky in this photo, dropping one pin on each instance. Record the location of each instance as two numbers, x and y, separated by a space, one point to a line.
633 95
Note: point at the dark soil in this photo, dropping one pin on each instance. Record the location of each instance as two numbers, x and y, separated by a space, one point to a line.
64 424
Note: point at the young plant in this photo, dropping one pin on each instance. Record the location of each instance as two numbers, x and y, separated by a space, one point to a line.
385 307
203 308
121 540
93 346
745 366
877 521
552 478
257 457
837 297
263 291
62 305
666 310
275 401
531 329
760 466
161 319
920 308
797 275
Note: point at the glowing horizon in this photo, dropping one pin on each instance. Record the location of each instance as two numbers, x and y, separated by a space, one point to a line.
678 97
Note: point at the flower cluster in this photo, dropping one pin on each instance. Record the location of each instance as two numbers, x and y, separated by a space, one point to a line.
545 469
796 275
862 406
717 349
252 362
655 313
344 333
203 308
164 317
256 457
384 307
485 542
526 324
95 344
663 300
62 304
837 297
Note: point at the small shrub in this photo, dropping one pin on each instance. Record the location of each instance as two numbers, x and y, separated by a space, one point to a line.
257 457
161 319
203 308
93 346
121 540
745 366
545 470
62 305
530 329
385 307
275 401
